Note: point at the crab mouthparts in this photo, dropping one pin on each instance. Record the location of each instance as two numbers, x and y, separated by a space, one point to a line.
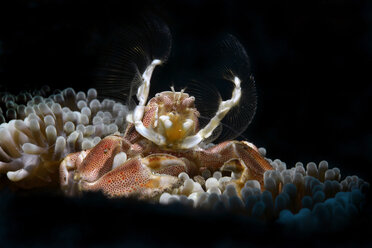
174 127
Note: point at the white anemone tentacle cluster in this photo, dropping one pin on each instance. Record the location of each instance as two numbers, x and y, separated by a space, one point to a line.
298 197
46 129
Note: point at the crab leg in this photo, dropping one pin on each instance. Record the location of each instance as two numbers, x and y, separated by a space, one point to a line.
66 172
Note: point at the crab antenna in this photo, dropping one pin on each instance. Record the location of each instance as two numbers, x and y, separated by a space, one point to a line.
223 109
142 95
179 96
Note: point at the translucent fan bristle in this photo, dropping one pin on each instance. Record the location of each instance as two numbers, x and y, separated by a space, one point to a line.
228 60
130 51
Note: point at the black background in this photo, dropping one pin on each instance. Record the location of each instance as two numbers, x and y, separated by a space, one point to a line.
311 61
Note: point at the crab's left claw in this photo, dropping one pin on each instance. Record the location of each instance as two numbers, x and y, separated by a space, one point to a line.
241 171
145 177
240 157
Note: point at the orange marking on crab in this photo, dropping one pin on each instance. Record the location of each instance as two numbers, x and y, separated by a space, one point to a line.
165 164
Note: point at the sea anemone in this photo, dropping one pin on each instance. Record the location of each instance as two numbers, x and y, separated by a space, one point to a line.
42 130
300 198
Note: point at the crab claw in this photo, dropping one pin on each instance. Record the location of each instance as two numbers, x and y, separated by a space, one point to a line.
145 177
248 164
89 165
239 157
240 169
100 159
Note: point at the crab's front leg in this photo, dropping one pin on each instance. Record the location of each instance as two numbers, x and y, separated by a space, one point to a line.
67 171
145 177
240 157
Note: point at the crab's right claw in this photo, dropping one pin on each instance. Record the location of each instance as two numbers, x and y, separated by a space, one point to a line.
145 177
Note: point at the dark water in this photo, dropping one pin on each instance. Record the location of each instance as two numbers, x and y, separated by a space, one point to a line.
311 62
44 219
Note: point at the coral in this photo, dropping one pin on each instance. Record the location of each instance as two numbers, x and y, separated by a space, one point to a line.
41 131
297 197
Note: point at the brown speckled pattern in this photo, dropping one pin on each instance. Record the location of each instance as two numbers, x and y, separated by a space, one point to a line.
128 178
100 159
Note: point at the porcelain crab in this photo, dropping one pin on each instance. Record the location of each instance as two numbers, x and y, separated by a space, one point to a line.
163 138
161 141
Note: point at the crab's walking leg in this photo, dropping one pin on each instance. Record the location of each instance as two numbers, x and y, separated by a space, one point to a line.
66 172
146 177
241 158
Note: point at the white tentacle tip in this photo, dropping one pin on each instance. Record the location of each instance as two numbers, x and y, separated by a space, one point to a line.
119 159
32 149
156 62
237 81
18 175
